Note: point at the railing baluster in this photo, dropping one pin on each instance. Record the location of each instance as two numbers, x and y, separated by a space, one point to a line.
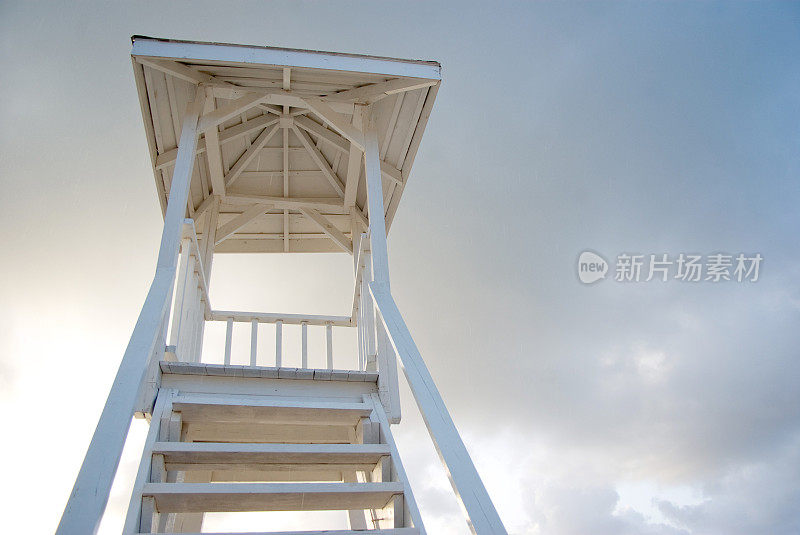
253 341
278 343
304 345
329 338
228 336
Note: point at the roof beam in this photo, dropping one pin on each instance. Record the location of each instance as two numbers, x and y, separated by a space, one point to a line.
230 228
320 160
214 118
249 154
367 94
229 134
178 70
332 138
329 229
213 151
355 161
259 55
329 204
336 120
391 172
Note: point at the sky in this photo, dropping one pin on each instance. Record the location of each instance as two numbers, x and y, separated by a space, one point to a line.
616 127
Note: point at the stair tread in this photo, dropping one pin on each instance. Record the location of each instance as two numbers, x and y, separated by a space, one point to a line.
268 410
240 453
390 531
267 372
238 497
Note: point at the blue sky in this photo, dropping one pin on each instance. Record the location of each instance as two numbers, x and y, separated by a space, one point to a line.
644 127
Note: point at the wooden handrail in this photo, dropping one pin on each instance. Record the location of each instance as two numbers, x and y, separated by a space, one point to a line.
286 319
464 478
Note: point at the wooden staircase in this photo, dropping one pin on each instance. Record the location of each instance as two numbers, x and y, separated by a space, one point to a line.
235 448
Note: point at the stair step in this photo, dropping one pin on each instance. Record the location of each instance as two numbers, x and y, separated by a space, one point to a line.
267 372
185 456
393 531
239 497
263 410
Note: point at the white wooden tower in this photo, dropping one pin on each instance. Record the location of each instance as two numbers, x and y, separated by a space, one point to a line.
270 150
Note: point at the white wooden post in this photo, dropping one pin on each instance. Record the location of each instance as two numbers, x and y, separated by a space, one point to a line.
387 366
89 496
304 345
329 345
253 341
228 341
278 343
377 223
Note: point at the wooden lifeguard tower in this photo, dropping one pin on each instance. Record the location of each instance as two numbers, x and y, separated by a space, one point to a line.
271 150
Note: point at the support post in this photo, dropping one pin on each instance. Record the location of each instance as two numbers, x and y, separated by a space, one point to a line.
387 363
89 497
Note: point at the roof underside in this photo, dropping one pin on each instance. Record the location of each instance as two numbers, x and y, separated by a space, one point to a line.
285 162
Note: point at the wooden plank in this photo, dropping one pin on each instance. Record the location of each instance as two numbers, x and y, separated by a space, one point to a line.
304 344
234 497
178 70
390 531
377 225
289 319
236 453
213 119
328 136
328 204
329 229
228 339
278 342
253 342
214 153
229 134
355 161
329 345
248 155
320 161
278 415
230 228
367 94
260 55
336 120
464 477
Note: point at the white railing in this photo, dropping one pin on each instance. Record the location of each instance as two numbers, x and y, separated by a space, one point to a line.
279 320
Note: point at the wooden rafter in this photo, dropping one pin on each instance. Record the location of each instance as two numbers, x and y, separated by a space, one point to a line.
329 204
248 155
320 160
332 138
355 161
218 116
368 94
329 229
336 120
214 151
230 228
229 134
